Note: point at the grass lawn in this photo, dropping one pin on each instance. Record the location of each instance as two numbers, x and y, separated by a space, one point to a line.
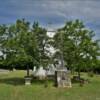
12 88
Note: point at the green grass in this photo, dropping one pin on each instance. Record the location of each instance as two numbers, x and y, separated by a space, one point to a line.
12 88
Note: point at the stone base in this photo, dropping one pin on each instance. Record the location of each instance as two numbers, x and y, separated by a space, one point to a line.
63 78
28 80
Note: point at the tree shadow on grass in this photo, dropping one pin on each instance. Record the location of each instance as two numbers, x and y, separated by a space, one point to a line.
17 81
37 81
42 82
13 81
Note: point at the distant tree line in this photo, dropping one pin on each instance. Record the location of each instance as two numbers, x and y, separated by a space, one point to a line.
25 46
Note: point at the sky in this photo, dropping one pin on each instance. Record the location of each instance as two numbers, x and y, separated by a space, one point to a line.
52 13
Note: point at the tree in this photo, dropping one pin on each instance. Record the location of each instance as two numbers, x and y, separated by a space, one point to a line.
77 46
42 44
19 45
24 45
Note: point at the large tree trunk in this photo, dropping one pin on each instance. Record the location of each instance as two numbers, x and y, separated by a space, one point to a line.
79 75
27 70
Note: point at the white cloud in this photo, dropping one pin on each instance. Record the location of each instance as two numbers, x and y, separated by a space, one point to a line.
63 8
56 11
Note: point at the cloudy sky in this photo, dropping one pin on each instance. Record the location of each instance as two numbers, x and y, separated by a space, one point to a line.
56 12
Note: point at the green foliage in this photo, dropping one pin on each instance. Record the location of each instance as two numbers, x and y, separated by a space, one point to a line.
42 44
24 45
80 50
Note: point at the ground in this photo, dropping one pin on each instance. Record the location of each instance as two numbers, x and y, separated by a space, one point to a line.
12 88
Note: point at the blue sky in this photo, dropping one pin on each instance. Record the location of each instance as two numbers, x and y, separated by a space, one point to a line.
55 11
